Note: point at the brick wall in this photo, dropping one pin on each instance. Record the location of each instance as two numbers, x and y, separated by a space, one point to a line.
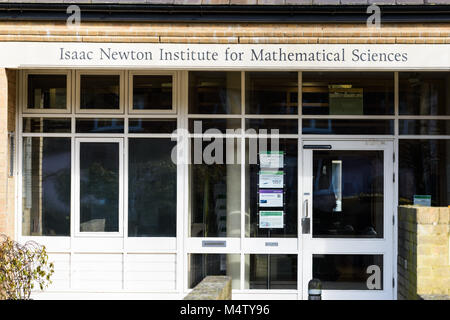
225 33
7 124
423 252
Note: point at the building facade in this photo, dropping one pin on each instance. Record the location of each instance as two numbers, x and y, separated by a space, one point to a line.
151 145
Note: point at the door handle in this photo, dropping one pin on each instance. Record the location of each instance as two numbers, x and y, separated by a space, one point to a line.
306 221
306 208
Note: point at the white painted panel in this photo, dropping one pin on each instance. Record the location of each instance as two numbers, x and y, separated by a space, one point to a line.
97 271
151 272
61 277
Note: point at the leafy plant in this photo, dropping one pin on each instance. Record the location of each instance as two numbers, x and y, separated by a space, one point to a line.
22 267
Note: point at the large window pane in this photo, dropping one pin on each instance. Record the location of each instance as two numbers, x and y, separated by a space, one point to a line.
47 125
213 126
271 271
348 194
143 125
271 189
271 92
152 188
203 265
284 126
152 92
99 92
215 188
424 93
47 91
99 125
46 186
344 126
99 187
348 272
214 92
348 93
424 169
424 127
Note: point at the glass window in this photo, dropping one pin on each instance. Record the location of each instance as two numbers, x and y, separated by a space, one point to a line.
99 125
47 125
214 92
152 188
348 93
215 188
349 272
143 125
152 92
99 187
424 170
424 93
348 194
271 188
343 126
99 92
271 271
46 186
203 265
424 127
284 126
201 125
271 92
47 91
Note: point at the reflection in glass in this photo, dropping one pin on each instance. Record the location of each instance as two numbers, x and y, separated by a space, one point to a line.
271 271
215 184
424 93
143 125
152 92
348 272
348 194
47 125
99 187
152 188
348 93
424 170
99 125
344 126
214 92
424 127
254 173
47 91
99 92
46 186
271 92
203 265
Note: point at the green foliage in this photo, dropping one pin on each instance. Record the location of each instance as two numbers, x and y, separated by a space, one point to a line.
22 267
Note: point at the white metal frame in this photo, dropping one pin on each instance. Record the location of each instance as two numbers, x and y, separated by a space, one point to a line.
131 75
23 93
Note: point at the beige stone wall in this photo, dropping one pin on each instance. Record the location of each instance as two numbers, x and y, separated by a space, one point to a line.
7 124
225 33
212 288
423 251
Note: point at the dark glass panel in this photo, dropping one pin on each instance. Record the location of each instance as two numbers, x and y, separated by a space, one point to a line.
203 265
272 271
348 272
424 127
152 92
344 126
201 125
348 93
47 125
348 194
284 126
214 92
99 125
271 92
152 188
99 92
47 91
46 186
152 125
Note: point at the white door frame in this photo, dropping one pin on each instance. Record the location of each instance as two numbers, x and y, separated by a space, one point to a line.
383 246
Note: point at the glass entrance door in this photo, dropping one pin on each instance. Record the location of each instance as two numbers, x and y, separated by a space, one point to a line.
347 218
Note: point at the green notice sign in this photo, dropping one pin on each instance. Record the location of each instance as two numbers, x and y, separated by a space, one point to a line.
271 219
422 200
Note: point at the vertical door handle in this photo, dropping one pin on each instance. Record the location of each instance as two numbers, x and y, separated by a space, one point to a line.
306 221
306 208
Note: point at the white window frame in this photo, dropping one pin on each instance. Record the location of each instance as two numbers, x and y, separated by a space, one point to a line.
24 94
77 232
131 75
77 93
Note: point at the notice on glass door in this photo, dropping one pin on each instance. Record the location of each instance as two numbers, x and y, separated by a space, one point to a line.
271 159
271 219
271 179
271 198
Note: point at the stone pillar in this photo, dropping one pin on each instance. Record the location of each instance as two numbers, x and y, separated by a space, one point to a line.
423 252
7 124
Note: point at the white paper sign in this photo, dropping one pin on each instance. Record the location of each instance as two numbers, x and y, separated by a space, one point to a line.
271 219
271 159
271 179
271 197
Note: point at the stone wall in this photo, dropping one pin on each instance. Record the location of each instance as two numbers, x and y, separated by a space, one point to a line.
423 252
212 288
